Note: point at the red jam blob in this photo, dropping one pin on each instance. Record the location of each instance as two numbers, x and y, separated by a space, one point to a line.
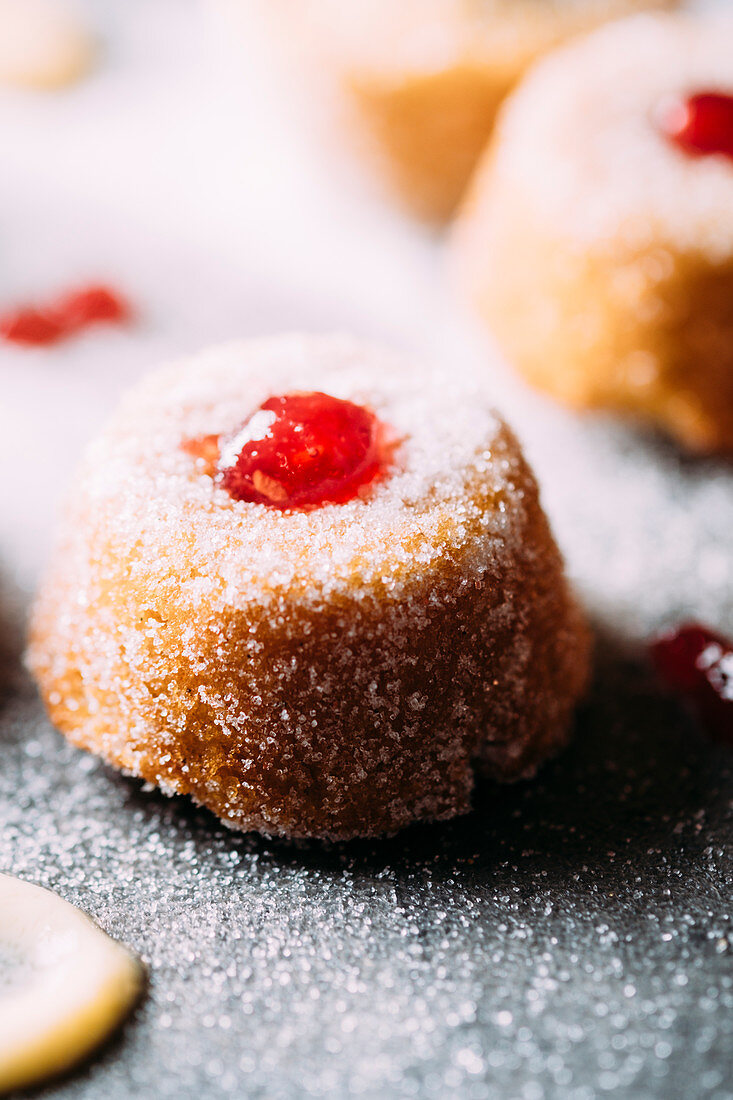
29 325
701 124
92 305
304 450
43 325
697 664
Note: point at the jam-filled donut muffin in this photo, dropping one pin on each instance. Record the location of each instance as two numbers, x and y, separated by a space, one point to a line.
598 238
312 586
426 77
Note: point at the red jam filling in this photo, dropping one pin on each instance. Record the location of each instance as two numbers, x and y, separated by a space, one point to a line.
697 664
298 451
47 324
303 450
701 124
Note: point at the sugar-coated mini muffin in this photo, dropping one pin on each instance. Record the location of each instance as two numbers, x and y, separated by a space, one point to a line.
307 668
598 237
427 76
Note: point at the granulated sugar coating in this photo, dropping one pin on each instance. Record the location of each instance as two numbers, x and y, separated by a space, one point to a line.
600 252
336 672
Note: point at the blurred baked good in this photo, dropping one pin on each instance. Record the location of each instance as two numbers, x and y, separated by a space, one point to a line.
426 77
310 584
597 240
44 44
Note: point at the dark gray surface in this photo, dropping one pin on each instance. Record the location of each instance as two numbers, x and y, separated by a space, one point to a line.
571 938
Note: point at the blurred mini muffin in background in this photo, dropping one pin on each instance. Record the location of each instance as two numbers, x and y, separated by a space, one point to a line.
425 78
44 44
597 241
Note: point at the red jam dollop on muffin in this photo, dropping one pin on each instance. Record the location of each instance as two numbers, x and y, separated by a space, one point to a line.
303 450
701 124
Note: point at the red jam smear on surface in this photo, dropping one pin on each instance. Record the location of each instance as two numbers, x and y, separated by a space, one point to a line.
299 451
72 312
701 124
697 664
29 325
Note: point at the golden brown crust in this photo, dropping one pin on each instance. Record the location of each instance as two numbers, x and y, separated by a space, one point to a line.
349 712
429 130
605 330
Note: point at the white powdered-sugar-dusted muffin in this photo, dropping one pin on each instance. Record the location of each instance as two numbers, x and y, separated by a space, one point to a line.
310 583
426 77
597 240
